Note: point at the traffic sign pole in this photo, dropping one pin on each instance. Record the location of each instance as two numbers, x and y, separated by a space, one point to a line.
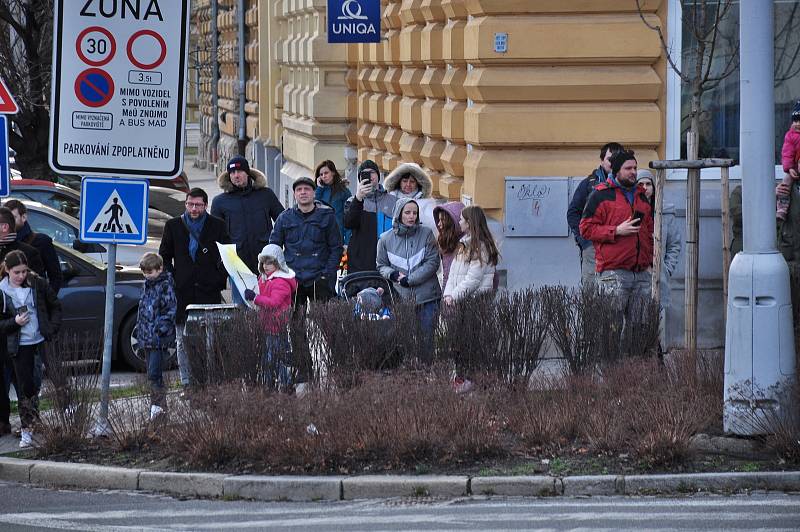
102 427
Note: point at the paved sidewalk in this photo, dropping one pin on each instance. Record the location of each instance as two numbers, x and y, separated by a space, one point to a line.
336 488
201 177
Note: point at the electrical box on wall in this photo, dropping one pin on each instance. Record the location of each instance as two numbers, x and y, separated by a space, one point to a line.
536 206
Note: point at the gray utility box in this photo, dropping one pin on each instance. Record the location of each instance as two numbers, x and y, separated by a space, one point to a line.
536 206
198 338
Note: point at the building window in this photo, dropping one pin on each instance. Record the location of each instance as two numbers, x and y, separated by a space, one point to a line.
719 122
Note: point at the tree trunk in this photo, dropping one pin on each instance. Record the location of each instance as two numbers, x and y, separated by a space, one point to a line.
692 229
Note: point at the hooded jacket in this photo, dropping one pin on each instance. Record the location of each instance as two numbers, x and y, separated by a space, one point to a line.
48 313
311 242
789 229
672 250
606 208
155 323
276 291
368 220
392 181
413 252
248 214
790 153
453 210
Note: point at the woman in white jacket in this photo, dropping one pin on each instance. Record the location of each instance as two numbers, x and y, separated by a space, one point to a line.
476 258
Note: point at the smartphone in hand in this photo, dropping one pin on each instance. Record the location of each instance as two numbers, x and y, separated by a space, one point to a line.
22 309
638 216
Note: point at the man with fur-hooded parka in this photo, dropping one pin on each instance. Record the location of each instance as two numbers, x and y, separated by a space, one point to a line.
412 251
248 208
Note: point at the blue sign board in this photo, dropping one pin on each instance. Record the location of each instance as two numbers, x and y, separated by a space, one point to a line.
114 211
5 184
354 21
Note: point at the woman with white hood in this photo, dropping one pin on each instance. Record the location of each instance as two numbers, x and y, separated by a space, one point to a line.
410 181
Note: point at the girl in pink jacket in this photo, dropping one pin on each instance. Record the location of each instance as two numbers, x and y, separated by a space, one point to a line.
276 288
790 157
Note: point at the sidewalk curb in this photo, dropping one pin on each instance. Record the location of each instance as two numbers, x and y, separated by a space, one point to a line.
334 488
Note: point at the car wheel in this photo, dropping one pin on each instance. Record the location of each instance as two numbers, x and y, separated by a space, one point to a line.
134 355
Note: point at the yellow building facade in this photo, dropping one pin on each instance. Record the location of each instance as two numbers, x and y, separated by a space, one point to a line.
576 74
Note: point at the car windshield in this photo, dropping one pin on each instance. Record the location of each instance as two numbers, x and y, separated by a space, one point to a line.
57 200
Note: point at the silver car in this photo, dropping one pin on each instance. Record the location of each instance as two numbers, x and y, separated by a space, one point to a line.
65 230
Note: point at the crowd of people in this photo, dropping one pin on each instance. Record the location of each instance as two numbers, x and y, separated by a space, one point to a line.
431 254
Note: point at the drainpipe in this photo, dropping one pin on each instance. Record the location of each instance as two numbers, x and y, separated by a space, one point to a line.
214 81
759 344
242 79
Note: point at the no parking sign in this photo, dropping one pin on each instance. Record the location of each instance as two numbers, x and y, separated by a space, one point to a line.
118 102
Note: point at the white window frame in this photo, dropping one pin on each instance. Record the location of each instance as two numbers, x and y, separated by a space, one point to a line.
673 117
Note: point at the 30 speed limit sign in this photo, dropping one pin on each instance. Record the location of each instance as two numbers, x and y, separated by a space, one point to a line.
118 102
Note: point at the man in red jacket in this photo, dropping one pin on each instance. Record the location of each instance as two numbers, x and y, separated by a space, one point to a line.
618 219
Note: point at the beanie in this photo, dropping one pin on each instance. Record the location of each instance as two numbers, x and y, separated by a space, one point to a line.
238 163
370 299
796 110
644 173
368 165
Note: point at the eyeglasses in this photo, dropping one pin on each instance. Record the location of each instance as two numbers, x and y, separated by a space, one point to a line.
192 205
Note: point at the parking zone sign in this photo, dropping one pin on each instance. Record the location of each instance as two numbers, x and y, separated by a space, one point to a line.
118 100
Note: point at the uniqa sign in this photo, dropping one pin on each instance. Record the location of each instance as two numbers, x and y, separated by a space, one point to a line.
354 21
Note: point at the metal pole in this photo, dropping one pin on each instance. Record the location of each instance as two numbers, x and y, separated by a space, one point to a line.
759 344
102 427
214 81
242 79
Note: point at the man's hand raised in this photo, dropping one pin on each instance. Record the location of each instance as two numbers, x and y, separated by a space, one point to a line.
628 227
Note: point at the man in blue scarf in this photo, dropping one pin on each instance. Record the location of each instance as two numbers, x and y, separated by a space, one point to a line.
190 253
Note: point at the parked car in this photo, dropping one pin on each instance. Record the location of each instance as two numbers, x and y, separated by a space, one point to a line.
65 230
83 302
68 201
180 182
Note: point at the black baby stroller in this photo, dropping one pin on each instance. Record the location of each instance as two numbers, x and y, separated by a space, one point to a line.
380 352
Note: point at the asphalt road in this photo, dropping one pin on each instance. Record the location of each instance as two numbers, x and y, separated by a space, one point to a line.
24 508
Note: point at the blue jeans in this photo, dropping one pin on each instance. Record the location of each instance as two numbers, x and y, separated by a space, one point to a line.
155 361
276 352
427 314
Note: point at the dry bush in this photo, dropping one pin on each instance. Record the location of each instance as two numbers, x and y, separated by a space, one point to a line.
233 348
69 391
523 334
129 418
469 334
583 325
396 420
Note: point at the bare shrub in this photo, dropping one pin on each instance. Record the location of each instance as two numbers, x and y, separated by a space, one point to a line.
583 325
776 419
469 334
129 418
233 347
523 333
69 391
640 335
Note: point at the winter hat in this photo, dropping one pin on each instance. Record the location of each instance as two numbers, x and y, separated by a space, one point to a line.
238 163
304 181
370 299
644 173
274 252
453 209
796 111
368 165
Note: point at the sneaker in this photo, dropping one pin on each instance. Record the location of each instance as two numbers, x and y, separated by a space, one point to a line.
155 411
26 439
301 389
462 385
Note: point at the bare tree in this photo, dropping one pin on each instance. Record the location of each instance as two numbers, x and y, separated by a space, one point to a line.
702 19
26 39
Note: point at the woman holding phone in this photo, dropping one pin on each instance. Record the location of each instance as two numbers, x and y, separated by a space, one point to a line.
29 316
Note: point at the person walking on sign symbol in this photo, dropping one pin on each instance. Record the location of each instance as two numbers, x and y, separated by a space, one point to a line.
116 210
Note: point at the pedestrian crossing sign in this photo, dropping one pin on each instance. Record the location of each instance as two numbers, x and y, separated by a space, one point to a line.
114 211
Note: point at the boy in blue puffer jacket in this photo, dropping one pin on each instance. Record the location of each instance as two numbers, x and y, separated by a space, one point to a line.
155 325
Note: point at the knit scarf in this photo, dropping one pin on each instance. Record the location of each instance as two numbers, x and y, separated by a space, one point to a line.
195 227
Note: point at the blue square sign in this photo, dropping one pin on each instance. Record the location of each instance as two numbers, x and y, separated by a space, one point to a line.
354 21
4 159
114 211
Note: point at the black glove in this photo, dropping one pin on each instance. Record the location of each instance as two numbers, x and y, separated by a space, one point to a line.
394 276
404 282
249 295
